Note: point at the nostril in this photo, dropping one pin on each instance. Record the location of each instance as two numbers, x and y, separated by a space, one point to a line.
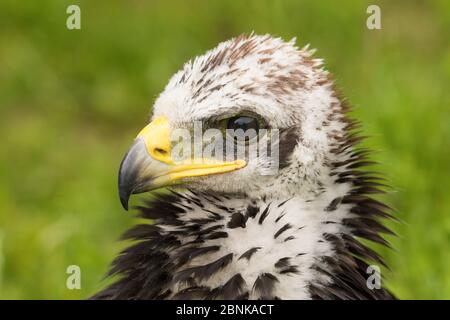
160 152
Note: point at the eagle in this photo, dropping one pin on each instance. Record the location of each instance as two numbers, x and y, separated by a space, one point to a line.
292 226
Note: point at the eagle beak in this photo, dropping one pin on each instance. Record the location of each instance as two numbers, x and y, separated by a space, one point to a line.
148 164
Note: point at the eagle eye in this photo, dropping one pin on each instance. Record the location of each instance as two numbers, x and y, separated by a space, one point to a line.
244 123
246 126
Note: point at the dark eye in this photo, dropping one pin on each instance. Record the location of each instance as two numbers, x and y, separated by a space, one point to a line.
244 123
249 126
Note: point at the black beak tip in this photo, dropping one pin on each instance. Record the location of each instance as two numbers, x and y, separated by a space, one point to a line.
124 183
124 197
128 178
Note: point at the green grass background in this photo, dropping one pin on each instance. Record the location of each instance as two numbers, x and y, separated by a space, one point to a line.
72 101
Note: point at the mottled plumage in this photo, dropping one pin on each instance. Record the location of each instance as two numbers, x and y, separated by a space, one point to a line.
243 235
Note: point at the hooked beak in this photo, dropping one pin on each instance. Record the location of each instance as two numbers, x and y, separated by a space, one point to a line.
148 163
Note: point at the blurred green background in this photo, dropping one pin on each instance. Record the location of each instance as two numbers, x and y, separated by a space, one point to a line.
72 101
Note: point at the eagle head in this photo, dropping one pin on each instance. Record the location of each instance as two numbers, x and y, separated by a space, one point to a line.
256 92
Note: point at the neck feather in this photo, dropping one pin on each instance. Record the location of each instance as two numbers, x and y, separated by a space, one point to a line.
205 245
